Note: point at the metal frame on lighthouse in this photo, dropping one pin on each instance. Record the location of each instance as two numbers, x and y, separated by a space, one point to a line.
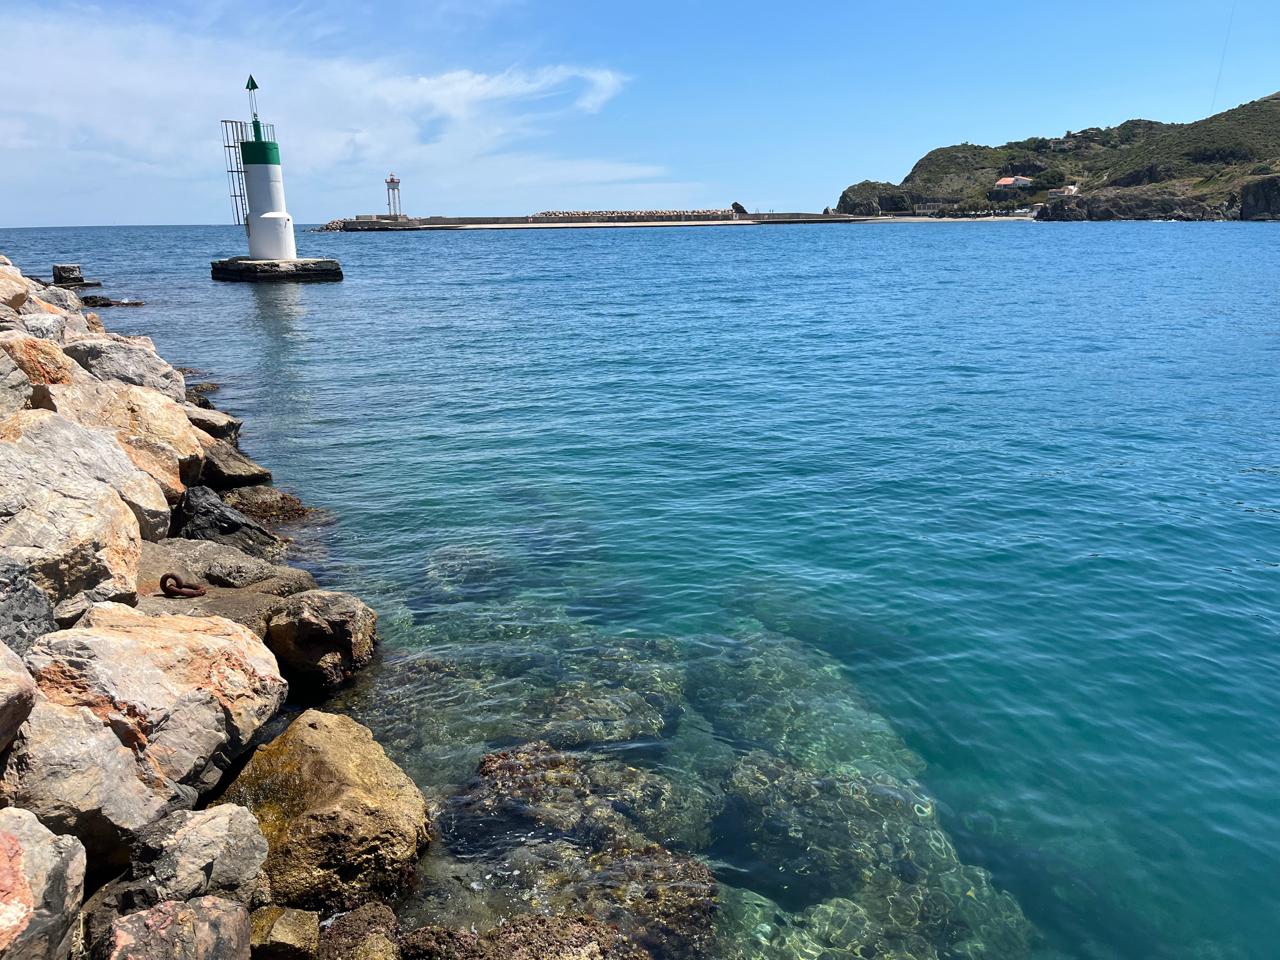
257 184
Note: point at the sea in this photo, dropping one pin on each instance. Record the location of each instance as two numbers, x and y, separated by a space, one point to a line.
923 577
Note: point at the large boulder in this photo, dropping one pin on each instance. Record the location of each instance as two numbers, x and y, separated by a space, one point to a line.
237 586
189 854
14 287
41 885
26 611
320 638
76 537
15 387
42 362
17 695
343 822
60 297
283 933
226 467
216 852
109 358
135 717
203 515
55 449
153 430
266 504
207 928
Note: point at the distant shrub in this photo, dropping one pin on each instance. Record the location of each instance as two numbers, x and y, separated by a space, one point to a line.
1262 169
1224 153
1048 180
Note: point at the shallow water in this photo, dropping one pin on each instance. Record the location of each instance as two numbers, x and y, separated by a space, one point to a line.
947 534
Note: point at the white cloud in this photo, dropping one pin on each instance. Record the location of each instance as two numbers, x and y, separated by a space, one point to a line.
115 121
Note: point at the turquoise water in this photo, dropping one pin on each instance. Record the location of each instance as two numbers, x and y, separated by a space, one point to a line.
988 512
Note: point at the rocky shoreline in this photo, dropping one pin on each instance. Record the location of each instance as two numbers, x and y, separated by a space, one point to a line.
168 787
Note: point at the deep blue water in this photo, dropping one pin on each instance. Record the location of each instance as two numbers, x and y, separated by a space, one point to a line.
1014 484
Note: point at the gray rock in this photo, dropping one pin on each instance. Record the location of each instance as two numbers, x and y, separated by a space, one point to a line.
226 467
203 516
218 565
46 326
369 932
189 854
17 695
60 297
207 928
71 531
41 886
217 424
55 448
319 638
11 320
136 716
282 933
128 362
25 610
15 387
214 423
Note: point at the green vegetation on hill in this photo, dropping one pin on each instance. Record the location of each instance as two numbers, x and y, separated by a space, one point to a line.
1209 169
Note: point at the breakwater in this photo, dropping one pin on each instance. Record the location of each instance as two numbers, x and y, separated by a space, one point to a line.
376 223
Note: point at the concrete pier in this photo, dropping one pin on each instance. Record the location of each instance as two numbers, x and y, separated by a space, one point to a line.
246 270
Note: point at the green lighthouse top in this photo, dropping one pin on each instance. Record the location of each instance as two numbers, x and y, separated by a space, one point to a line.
259 150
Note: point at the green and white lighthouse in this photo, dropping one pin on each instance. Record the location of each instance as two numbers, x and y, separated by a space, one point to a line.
257 197
266 219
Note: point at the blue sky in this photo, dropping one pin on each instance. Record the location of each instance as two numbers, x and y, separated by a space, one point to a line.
109 111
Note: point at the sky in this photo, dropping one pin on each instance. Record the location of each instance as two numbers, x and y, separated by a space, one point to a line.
109 111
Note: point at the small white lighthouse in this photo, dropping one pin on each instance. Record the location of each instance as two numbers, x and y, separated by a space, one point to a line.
393 198
268 223
257 196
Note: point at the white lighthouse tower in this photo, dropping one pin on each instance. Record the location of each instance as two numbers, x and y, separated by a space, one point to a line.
257 197
268 224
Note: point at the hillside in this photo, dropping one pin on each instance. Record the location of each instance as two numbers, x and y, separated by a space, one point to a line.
1225 167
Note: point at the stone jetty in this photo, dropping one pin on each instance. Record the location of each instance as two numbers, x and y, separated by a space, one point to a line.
170 785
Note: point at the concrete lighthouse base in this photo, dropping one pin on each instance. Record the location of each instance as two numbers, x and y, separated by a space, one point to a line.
275 271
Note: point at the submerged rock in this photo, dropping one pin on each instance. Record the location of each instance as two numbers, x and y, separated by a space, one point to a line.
320 637
369 932
266 504
559 836
872 848
343 822
203 515
41 885
208 928
135 716
527 937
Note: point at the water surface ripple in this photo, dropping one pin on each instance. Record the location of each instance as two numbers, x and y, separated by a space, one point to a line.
983 516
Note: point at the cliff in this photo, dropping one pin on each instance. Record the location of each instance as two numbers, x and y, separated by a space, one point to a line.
1225 167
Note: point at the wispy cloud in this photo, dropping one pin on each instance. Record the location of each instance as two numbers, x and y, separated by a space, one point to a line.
114 109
